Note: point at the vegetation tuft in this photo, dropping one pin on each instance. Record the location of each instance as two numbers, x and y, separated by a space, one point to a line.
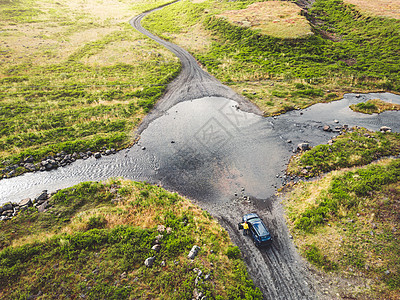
374 106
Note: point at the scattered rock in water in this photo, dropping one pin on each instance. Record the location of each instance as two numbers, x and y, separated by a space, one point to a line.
303 146
327 128
97 155
385 129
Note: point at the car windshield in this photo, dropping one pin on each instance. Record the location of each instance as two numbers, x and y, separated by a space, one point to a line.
260 229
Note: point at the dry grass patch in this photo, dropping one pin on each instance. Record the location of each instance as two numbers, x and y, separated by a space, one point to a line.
274 18
359 242
196 40
382 8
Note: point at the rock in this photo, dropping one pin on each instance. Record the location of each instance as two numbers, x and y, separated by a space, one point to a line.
108 152
358 95
327 128
207 277
385 129
193 252
7 206
288 141
387 272
28 160
169 230
163 264
25 202
97 155
149 261
158 239
303 146
42 196
160 228
335 121
43 206
143 148
123 275
156 247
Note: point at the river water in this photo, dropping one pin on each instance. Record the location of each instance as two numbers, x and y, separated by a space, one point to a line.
208 149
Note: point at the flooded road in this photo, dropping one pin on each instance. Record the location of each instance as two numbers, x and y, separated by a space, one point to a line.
229 162
210 144
208 149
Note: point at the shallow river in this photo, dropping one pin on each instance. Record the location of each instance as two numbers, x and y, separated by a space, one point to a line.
208 149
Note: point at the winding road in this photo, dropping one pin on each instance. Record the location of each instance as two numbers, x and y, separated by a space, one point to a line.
213 146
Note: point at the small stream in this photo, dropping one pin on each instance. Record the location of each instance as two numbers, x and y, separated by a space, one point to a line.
208 149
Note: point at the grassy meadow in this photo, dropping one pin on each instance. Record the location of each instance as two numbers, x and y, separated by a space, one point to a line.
348 51
346 223
356 147
74 75
93 241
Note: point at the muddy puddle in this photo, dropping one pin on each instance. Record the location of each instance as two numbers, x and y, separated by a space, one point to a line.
209 150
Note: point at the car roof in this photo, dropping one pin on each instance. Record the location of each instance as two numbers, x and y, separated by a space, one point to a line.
250 216
260 228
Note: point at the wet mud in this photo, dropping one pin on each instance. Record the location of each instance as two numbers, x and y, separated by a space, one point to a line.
213 146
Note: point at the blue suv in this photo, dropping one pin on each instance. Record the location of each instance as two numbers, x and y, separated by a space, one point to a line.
258 230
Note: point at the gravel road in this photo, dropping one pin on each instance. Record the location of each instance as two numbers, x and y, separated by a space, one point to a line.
279 271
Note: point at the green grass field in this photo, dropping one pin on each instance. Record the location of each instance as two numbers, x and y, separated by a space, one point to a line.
346 223
93 242
348 52
74 75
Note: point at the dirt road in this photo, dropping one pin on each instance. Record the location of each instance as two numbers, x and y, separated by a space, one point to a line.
279 271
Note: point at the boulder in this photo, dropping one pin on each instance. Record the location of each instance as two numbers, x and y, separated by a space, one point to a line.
42 207
8 213
156 247
97 155
42 196
25 202
303 146
29 159
327 128
30 167
158 239
385 129
7 206
193 252
149 261
160 228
